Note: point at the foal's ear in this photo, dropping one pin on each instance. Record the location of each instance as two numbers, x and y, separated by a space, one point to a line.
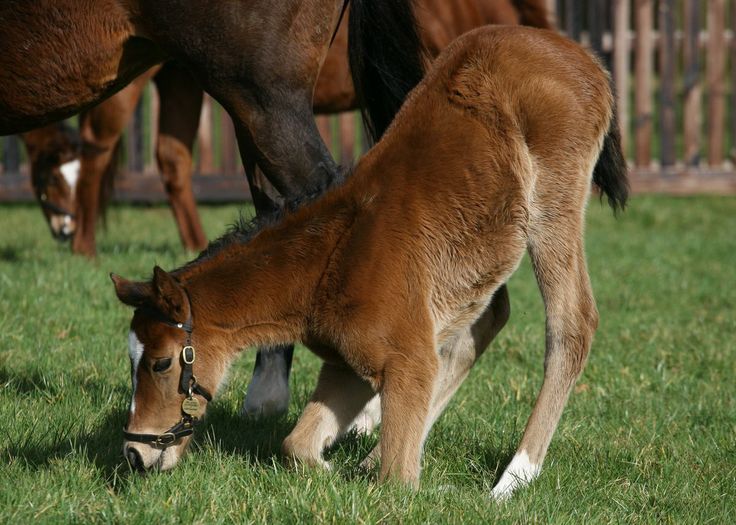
132 293
169 296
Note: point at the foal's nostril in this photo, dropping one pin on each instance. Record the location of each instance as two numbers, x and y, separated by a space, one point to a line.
134 459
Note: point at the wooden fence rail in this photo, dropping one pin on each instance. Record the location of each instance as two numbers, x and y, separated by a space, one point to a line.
676 101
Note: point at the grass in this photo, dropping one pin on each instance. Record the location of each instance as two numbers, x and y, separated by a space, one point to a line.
649 435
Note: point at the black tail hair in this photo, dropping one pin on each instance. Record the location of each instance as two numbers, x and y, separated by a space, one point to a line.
107 184
386 58
610 172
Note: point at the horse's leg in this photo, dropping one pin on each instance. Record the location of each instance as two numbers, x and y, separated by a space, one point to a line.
556 249
457 358
100 129
268 391
409 382
180 104
340 395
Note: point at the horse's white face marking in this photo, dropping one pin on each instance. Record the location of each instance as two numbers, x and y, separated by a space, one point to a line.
519 473
70 171
135 349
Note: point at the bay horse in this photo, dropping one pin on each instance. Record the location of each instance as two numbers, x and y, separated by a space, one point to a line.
259 59
396 278
101 127
440 22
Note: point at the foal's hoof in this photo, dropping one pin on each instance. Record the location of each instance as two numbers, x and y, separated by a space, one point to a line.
518 474
296 456
372 460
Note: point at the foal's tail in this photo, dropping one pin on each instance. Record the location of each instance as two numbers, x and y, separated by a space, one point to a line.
386 58
610 172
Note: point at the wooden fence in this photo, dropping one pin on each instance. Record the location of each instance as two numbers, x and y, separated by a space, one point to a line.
675 94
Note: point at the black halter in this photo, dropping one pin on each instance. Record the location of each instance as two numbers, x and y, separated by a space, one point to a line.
188 384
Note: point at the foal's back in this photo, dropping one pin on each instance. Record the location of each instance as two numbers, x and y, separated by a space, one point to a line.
505 129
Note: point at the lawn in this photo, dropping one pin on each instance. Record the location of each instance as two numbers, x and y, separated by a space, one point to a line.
648 436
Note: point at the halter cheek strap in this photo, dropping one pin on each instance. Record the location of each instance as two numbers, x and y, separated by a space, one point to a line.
188 384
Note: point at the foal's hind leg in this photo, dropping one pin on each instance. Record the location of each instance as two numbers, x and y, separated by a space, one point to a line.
458 357
556 249
181 103
339 397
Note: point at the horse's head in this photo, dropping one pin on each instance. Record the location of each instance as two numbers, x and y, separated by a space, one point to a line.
54 153
176 364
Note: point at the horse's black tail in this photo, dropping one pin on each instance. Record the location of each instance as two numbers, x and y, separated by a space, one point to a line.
610 172
386 58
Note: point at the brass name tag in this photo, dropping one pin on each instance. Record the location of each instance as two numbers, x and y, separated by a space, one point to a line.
190 406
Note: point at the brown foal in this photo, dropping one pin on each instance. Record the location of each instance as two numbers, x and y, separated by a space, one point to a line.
396 277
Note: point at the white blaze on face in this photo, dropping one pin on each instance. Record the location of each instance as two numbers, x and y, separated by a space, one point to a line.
135 348
70 171
519 473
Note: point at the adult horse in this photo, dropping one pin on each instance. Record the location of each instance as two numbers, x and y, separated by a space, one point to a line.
258 58
440 22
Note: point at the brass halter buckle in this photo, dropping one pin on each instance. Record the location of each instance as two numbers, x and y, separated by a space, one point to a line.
188 354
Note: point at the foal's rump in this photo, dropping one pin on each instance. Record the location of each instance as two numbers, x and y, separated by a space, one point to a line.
551 93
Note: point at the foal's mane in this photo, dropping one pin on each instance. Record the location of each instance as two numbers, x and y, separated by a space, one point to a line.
244 229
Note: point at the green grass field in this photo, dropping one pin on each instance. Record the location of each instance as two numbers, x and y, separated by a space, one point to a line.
649 435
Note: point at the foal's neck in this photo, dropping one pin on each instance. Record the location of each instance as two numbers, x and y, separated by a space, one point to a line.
261 293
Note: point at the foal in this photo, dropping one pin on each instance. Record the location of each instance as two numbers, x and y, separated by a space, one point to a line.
396 278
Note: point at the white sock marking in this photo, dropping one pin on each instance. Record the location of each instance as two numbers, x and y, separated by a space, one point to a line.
518 474
135 349
70 171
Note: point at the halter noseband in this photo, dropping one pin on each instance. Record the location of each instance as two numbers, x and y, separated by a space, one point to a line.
188 384
53 208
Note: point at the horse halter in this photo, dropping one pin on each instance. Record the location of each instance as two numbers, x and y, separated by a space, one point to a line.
188 383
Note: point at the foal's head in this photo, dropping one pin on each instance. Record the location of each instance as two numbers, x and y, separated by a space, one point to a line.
176 364
54 154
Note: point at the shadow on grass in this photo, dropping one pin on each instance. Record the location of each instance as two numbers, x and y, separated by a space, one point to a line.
9 254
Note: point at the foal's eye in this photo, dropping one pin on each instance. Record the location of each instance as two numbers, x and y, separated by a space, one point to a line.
161 365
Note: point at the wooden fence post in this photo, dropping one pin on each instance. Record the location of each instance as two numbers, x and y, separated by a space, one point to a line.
11 158
715 80
691 83
204 137
621 63
643 87
667 124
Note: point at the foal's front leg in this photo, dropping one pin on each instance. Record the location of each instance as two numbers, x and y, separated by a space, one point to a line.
406 395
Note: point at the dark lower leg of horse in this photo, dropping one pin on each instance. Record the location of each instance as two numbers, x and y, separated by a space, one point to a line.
406 396
268 391
338 399
571 321
457 358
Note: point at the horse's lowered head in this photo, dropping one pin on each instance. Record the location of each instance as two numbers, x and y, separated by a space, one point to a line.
54 153
176 363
